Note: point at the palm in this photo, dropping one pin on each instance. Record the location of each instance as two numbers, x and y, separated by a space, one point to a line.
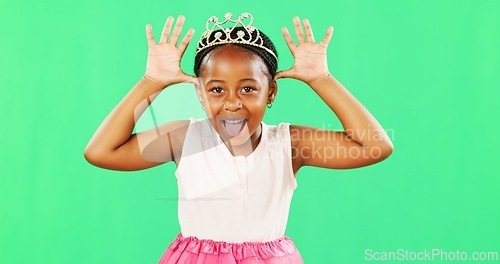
163 64
309 57
163 61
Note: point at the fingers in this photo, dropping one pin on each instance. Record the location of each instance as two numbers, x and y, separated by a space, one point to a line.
192 79
298 30
185 41
166 30
281 74
328 36
290 73
177 30
277 76
309 36
309 33
149 35
289 41
187 78
174 38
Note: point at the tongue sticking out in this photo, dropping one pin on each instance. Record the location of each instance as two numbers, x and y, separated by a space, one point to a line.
234 129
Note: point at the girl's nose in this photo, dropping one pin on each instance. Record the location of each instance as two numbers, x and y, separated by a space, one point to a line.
232 103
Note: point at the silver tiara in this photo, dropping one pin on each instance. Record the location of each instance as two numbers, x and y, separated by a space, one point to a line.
243 36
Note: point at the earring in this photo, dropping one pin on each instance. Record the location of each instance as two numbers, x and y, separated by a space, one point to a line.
270 105
203 107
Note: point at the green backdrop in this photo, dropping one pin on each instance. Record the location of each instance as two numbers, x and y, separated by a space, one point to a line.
427 70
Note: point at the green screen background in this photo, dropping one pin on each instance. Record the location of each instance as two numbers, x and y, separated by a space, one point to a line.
427 70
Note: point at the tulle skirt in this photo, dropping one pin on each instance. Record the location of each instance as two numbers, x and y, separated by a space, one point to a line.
192 250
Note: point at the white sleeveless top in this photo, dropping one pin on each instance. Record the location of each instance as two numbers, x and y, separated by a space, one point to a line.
234 198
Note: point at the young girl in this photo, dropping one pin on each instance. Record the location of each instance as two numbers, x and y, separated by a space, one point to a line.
236 175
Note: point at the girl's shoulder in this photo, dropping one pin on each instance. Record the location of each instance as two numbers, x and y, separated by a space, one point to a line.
280 131
284 133
198 128
279 127
176 134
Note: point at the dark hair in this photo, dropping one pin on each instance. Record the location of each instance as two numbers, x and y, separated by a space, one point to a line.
270 61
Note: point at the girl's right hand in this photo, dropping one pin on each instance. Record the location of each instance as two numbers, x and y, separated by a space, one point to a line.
163 64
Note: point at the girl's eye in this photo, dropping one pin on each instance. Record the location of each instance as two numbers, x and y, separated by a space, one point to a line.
248 89
216 89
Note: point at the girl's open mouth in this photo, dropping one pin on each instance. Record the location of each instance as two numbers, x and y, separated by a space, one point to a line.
234 127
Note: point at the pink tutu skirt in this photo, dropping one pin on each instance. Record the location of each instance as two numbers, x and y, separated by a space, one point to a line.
192 250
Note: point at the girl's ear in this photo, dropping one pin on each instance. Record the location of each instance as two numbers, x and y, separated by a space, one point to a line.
273 90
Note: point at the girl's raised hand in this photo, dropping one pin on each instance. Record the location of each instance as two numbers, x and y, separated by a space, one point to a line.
310 62
163 64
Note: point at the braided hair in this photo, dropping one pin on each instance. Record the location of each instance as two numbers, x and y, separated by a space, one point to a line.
269 60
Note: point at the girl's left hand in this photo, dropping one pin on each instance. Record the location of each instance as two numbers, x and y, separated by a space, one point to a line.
310 62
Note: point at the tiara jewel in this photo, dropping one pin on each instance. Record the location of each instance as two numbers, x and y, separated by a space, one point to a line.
244 35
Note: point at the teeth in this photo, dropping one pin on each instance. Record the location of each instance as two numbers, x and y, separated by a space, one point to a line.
234 121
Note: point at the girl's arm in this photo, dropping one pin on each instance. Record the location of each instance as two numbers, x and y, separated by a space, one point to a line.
113 146
364 140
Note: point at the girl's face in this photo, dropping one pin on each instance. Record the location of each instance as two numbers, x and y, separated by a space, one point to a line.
235 90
